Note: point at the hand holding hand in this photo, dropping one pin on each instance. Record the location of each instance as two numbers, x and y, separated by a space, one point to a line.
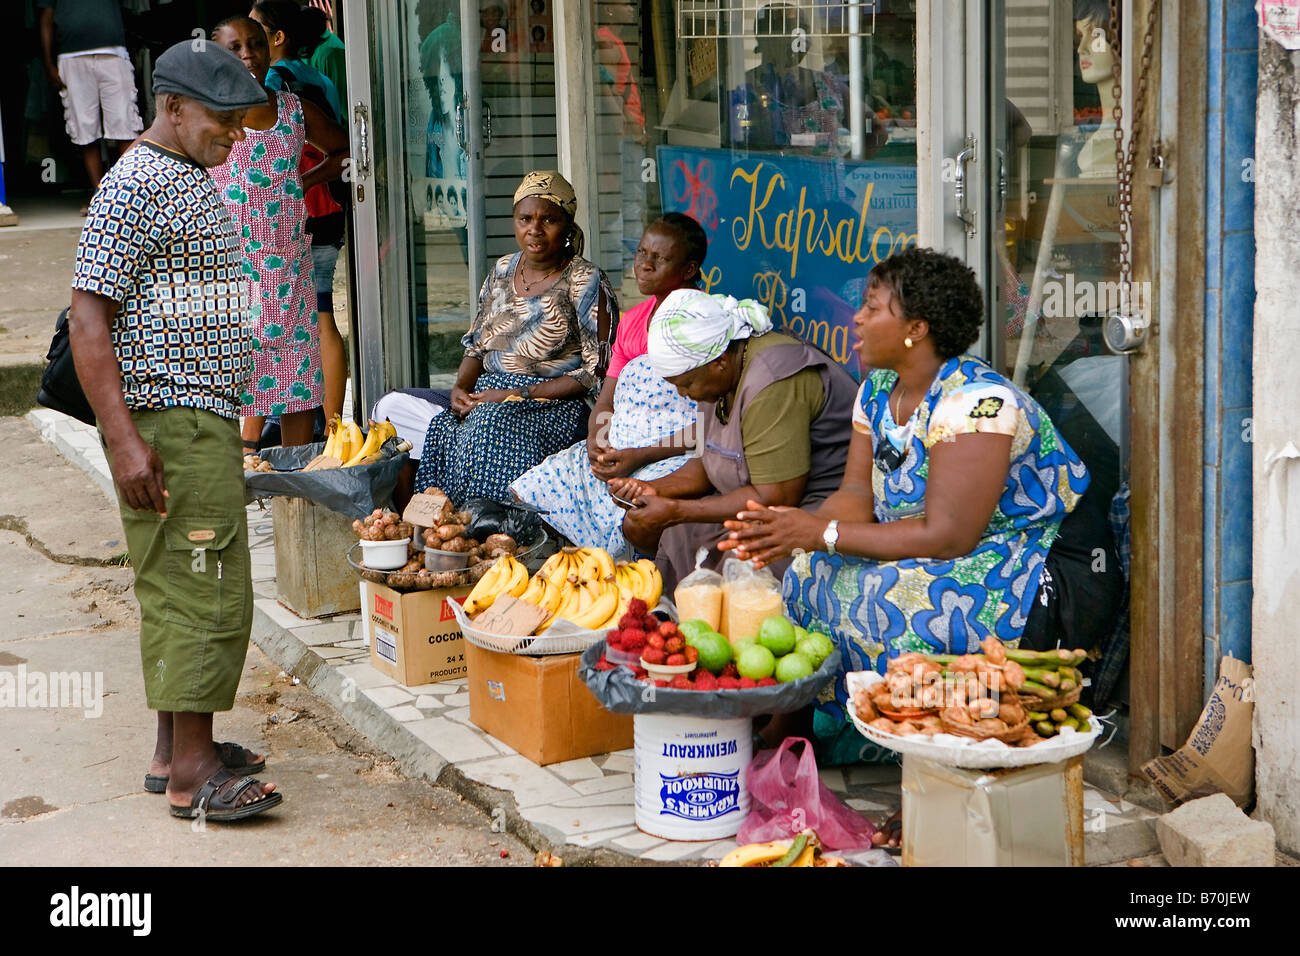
618 462
462 403
631 489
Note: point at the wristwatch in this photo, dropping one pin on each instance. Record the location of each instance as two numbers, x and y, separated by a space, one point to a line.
831 536
526 391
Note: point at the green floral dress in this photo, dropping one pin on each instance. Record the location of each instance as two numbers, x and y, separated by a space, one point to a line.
262 188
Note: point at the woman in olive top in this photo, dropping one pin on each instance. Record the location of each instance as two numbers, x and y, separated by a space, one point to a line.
774 418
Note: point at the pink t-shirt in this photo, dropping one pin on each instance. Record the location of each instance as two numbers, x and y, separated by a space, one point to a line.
632 337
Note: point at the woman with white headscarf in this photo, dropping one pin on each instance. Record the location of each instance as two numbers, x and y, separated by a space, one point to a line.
774 419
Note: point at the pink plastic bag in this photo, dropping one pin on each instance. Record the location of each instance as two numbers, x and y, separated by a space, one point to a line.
788 796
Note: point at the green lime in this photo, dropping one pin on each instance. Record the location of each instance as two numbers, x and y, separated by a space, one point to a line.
693 628
715 651
815 647
776 633
793 666
756 662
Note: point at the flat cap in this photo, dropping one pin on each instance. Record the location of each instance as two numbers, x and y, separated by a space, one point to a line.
208 73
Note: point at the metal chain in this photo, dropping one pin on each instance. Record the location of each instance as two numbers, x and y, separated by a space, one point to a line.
1126 158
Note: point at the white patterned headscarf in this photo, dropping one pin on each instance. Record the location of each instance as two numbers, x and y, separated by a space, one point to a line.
692 328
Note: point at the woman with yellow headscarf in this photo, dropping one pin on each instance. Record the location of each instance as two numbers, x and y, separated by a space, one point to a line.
537 349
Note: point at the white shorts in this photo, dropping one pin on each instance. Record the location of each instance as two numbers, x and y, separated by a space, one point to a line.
99 98
409 415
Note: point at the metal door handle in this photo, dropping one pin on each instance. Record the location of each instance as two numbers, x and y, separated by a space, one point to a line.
964 212
1002 177
487 125
460 125
361 120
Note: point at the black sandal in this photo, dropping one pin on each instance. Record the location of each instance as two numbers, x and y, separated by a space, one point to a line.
233 757
217 799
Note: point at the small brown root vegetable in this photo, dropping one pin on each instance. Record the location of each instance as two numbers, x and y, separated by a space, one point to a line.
1013 674
958 715
503 541
994 650
991 725
965 664
983 707
884 725
1011 712
448 531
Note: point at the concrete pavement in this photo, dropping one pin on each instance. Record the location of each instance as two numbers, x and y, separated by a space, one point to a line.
71 782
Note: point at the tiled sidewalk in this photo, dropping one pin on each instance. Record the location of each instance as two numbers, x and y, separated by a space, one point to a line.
582 808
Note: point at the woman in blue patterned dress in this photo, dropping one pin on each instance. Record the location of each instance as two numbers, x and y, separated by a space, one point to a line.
538 347
956 487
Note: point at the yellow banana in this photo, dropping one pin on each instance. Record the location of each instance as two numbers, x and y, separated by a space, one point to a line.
551 564
599 610
350 442
518 577
369 447
489 587
604 562
806 857
550 596
335 431
535 593
756 854
655 581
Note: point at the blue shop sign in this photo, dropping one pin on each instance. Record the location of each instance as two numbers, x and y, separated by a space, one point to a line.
797 234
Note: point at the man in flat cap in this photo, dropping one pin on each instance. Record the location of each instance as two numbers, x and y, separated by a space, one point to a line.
158 333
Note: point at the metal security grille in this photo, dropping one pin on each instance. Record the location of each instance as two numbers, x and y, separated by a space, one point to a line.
750 19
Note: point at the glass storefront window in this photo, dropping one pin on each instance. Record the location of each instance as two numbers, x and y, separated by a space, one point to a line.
787 129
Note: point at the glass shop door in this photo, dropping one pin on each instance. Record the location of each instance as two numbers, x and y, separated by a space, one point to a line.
452 101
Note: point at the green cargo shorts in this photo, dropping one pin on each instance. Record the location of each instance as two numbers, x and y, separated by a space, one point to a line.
192 572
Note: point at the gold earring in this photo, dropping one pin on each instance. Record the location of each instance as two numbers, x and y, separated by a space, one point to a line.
908 342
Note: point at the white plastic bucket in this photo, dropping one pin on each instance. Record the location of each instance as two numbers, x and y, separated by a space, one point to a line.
690 776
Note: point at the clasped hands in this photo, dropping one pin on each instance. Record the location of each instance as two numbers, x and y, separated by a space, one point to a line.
463 402
765 534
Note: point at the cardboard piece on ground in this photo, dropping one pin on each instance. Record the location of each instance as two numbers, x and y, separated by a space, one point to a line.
511 617
414 637
540 707
1218 756
427 510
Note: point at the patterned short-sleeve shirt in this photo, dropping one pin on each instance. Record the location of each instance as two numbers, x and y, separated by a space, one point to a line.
160 242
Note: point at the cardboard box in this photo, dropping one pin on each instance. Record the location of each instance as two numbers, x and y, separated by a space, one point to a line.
413 637
540 707
1029 816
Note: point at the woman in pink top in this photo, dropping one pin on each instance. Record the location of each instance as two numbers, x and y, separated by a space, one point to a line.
640 426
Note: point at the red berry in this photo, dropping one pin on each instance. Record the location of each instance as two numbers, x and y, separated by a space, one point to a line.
639 672
604 665
634 645
674 645
706 681
747 683
629 621
636 608
667 628
654 655
504 854
614 639
661 683
692 654
767 682
728 683
655 640
730 671
680 682
676 660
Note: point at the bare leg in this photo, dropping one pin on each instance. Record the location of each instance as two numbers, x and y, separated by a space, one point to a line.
194 760
296 427
161 763
251 428
333 364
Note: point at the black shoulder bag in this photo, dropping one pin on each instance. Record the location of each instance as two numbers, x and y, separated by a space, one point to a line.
60 388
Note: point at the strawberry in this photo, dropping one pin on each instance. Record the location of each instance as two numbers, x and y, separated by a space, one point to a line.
680 682
728 683
654 655
675 660
674 644
746 683
692 654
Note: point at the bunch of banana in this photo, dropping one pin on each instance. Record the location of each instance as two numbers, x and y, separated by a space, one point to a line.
506 576
1048 723
1050 673
345 446
589 603
803 850
642 579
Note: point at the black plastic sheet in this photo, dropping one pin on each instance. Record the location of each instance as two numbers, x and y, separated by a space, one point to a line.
620 692
489 517
354 492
